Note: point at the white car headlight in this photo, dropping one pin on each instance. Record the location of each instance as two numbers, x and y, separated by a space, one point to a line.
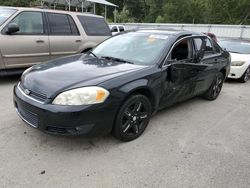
82 96
237 63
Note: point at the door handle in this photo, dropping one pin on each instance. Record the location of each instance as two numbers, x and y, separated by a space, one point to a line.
79 40
40 41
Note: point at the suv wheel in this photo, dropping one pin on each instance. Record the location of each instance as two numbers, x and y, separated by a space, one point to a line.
215 89
133 118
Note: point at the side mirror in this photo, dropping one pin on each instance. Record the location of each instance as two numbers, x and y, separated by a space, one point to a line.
12 28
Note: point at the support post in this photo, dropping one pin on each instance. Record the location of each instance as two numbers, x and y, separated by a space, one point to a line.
105 12
115 15
94 8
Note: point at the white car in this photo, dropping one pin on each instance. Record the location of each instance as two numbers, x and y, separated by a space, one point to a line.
240 57
115 29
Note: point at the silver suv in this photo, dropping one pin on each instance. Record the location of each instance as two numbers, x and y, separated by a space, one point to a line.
29 36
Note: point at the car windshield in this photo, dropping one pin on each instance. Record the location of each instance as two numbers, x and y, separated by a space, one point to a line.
137 48
236 46
5 13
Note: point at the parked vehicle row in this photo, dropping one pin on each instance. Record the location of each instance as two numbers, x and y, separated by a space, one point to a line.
30 36
118 85
115 85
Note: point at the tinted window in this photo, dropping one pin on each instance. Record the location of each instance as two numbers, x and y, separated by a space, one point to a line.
94 26
198 43
121 29
29 23
114 29
208 48
61 24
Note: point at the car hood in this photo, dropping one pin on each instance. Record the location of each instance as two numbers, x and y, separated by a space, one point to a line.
240 57
53 77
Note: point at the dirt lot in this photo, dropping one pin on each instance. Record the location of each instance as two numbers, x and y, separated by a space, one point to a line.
193 144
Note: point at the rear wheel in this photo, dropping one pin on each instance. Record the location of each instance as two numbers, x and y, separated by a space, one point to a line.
245 76
132 118
215 89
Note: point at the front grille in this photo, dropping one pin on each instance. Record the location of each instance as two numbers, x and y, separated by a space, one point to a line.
29 117
38 96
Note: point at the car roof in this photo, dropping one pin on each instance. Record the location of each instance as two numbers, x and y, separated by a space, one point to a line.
50 10
168 31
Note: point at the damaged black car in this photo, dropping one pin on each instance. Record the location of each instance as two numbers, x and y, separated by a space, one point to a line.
116 87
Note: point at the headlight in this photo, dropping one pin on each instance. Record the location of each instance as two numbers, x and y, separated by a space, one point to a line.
82 96
237 63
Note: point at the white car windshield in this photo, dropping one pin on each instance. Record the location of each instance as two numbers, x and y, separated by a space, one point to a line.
138 48
236 46
5 13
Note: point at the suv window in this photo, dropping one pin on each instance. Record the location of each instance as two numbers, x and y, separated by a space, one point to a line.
94 26
29 23
208 48
121 29
62 24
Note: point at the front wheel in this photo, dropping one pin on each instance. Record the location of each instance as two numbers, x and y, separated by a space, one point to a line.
245 76
213 92
133 118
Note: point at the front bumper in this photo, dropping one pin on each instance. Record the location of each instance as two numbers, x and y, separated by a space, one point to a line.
237 72
91 120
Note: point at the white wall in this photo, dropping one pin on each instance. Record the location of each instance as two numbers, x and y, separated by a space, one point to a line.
231 31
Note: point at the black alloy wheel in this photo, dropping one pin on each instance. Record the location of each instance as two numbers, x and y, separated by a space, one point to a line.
245 76
132 118
215 89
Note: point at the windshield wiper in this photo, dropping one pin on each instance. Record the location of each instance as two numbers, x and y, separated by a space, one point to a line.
116 59
90 52
234 52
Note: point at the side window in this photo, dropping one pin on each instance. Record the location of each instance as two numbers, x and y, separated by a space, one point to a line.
61 24
114 29
94 26
121 29
29 23
209 48
198 43
183 50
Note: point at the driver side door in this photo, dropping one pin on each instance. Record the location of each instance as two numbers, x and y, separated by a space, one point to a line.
28 46
180 73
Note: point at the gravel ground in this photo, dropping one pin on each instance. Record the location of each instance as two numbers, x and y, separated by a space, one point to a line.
194 144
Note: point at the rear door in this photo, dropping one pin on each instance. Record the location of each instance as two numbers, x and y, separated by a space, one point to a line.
64 37
28 46
210 61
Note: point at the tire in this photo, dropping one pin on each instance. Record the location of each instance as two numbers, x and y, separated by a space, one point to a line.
245 76
214 91
132 118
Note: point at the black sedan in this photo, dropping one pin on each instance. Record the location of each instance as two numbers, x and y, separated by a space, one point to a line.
118 86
